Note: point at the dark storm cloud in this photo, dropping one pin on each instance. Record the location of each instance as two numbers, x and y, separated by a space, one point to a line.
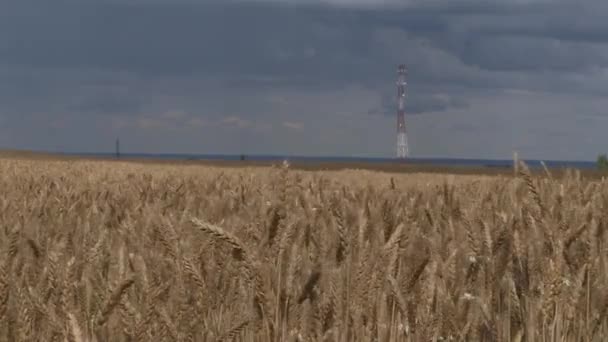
299 43
217 58
183 39
107 102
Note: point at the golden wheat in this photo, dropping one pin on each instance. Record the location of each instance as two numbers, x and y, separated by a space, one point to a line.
105 251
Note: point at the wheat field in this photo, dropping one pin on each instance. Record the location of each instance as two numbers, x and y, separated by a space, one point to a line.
109 251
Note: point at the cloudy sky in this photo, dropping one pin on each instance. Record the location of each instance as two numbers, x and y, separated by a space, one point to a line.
316 77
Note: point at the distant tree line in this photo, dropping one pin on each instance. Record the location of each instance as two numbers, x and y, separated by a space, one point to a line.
602 162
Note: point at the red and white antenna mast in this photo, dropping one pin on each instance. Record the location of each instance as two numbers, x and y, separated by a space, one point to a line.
402 146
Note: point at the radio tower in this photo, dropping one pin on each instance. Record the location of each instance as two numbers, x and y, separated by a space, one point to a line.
402 146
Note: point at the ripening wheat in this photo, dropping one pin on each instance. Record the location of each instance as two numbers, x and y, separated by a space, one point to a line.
100 251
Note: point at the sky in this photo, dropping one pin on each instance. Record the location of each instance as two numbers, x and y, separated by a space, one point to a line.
297 77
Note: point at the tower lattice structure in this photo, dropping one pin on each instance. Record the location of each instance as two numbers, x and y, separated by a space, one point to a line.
402 145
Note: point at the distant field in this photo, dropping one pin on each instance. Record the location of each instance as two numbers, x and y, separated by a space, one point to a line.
118 251
389 167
